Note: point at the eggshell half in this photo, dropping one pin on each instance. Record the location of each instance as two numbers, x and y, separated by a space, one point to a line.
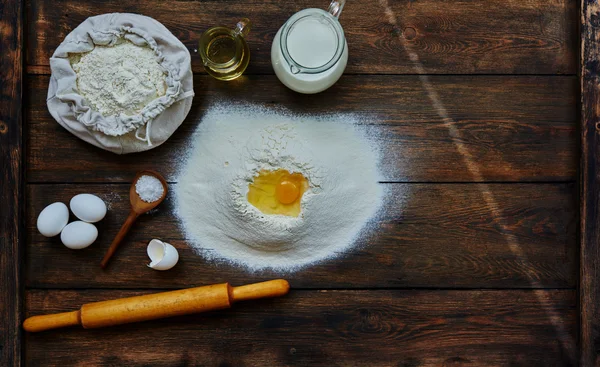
163 256
53 219
87 207
78 235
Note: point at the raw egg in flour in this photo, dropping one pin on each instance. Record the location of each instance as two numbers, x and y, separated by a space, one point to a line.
277 192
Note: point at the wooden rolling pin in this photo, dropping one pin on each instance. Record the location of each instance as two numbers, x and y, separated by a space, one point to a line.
156 306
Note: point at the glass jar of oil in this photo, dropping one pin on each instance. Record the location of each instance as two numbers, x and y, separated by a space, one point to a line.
224 51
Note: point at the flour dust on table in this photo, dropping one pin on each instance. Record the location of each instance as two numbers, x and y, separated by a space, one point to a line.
269 189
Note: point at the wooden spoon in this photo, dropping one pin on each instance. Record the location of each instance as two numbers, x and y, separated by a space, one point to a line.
138 207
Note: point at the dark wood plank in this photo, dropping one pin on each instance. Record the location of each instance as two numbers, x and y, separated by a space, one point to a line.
450 37
325 328
589 283
430 235
11 180
514 128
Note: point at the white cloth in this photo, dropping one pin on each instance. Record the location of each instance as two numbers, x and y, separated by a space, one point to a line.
158 120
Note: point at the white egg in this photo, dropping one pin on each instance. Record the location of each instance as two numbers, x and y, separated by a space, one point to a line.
87 207
163 255
53 219
78 235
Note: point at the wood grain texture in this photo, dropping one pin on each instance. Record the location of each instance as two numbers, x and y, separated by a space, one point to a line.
450 37
436 235
437 230
515 128
324 328
589 283
11 180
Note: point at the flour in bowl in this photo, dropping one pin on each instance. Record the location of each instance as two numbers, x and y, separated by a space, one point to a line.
119 79
232 145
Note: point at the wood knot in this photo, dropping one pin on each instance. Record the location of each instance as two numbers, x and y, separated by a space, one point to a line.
410 33
598 126
371 321
455 361
3 128
595 20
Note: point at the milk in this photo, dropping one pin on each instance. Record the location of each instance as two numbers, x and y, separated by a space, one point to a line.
309 52
312 43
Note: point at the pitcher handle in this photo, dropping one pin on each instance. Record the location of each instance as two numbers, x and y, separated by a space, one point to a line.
242 27
336 6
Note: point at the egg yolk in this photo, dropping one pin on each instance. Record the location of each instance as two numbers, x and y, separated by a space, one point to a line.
277 192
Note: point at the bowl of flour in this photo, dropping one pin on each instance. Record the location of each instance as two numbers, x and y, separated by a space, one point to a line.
122 82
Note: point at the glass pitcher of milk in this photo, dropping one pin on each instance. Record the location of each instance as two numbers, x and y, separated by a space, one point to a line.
309 52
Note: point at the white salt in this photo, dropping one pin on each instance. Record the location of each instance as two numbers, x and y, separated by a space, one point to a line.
149 188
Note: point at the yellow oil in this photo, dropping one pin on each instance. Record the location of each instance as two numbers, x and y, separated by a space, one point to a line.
227 55
278 192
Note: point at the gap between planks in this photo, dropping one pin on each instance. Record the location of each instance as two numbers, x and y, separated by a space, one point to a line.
306 289
36 183
45 70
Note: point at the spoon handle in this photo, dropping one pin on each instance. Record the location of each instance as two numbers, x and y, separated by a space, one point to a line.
119 237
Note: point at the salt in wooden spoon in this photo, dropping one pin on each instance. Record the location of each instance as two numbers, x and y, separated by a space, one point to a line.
138 207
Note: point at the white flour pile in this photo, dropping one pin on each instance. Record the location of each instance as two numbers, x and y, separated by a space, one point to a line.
121 79
233 144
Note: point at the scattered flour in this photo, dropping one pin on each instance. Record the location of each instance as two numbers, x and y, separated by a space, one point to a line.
110 199
149 188
232 145
120 79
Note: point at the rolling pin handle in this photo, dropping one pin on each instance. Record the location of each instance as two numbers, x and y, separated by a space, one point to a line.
35 324
271 288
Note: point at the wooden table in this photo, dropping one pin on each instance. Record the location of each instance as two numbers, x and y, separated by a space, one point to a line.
490 260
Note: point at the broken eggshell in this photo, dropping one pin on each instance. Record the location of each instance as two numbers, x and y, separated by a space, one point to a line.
163 256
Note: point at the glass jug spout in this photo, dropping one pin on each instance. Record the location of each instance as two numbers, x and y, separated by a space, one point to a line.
336 7
242 28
